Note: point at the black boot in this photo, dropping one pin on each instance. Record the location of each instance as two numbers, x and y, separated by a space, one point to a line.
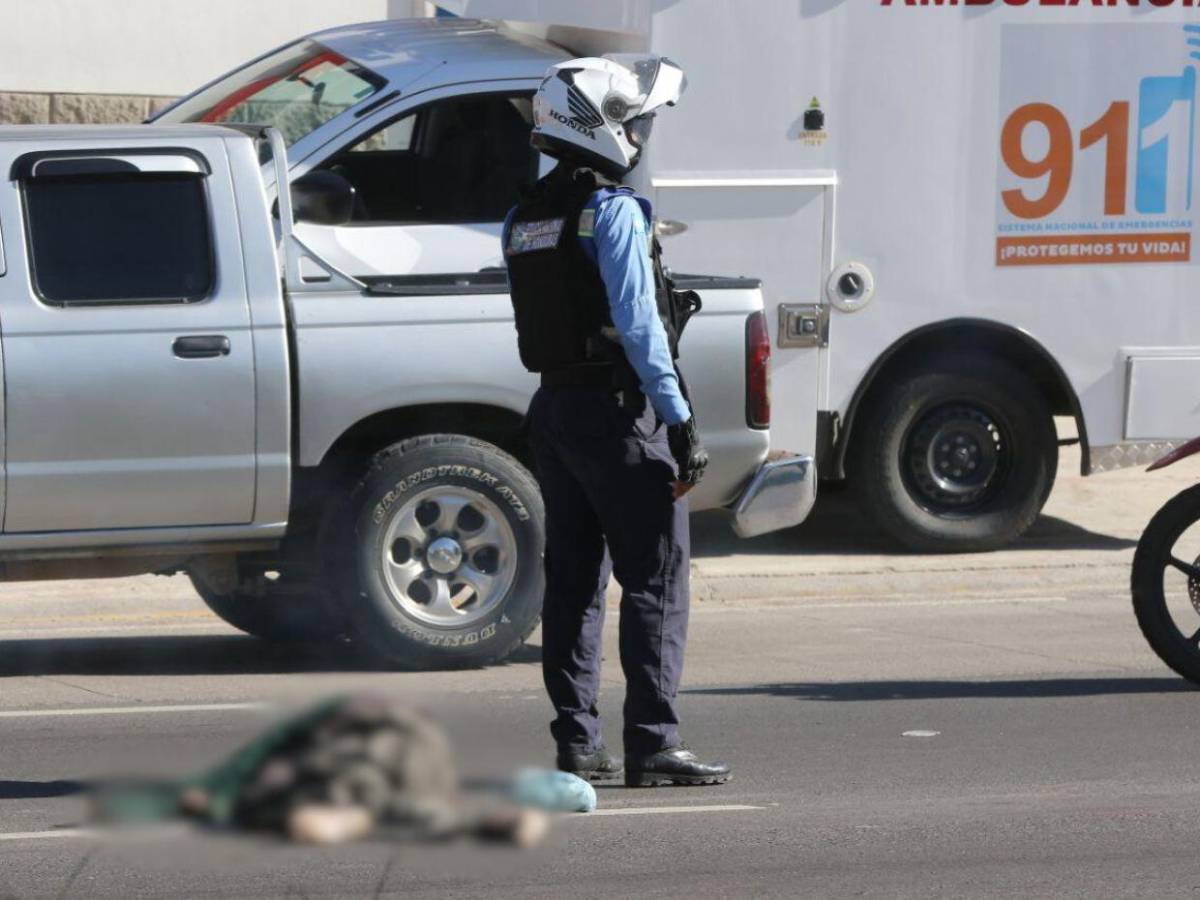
599 765
675 765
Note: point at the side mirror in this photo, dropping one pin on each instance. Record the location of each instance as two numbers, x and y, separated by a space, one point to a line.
322 198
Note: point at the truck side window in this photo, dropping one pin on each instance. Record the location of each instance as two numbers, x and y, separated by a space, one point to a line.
119 238
453 161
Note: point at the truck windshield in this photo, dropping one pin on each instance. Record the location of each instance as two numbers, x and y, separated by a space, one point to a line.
297 90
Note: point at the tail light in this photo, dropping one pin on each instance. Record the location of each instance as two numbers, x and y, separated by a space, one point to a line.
758 372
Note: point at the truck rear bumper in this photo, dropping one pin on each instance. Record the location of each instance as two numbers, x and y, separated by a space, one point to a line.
780 495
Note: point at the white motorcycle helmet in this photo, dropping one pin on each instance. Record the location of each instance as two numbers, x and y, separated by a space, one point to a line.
599 110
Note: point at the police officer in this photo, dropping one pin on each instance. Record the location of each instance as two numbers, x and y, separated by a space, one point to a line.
612 428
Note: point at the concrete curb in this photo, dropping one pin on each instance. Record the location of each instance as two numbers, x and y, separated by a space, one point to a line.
972 576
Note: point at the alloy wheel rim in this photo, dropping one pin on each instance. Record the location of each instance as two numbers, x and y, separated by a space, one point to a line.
1191 571
449 556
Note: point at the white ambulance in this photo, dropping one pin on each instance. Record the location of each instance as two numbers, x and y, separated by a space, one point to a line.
968 218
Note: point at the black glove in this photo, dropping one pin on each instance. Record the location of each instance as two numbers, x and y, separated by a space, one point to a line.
689 453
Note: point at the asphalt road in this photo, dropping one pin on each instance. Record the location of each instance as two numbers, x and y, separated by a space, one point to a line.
899 726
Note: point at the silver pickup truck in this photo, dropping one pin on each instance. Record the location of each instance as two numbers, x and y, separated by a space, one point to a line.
188 387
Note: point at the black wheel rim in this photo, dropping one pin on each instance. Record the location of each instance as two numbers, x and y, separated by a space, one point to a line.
1190 632
956 457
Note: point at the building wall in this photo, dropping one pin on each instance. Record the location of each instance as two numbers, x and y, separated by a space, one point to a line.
109 61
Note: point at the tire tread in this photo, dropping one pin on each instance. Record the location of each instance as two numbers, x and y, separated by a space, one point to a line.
1145 582
379 461
878 483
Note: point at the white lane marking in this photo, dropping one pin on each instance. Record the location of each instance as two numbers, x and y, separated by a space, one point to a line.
84 833
799 604
197 629
39 835
921 734
667 810
149 629
626 811
125 710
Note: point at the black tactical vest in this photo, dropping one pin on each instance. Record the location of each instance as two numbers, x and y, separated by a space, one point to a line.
557 294
559 300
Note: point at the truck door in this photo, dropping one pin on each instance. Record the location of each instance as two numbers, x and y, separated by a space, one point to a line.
433 183
128 358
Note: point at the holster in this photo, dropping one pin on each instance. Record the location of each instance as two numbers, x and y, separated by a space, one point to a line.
624 379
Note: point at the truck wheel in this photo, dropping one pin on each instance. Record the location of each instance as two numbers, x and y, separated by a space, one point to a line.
955 459
445 553
276 611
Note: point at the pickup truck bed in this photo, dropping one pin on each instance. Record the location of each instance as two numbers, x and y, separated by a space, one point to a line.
444 346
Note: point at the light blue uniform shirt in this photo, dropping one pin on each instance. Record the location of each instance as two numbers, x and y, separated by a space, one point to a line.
619 244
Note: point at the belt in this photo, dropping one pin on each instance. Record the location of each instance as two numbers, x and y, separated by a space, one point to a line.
581 376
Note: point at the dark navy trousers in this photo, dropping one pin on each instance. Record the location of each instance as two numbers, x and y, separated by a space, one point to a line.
606 476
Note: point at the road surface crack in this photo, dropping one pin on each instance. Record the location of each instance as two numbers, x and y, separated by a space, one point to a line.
80 687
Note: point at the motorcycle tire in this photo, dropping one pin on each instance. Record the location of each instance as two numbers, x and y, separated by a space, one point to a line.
1154 555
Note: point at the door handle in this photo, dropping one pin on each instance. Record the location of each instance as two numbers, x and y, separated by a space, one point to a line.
201 346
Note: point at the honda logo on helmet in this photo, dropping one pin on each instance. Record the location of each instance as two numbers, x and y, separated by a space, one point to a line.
573 124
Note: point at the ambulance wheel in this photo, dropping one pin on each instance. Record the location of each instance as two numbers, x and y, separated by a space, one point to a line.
275 610
443 559
959 457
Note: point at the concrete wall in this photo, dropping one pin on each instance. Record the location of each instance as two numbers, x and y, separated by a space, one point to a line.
109 61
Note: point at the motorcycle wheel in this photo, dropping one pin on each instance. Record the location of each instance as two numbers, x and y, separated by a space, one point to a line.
1166 584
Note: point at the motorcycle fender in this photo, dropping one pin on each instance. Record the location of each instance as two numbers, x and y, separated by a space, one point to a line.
1191 448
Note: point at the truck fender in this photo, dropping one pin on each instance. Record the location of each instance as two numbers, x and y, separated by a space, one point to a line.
489 422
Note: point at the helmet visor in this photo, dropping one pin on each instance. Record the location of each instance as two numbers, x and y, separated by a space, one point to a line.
644 67
638 130
660 81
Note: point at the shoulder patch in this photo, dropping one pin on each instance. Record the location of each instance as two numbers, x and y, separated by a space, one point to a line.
587 223
526 237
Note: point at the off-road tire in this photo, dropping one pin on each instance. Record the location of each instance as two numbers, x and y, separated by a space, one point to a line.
288 614
881 439
380 624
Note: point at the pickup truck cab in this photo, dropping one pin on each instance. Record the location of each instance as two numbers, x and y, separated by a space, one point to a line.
189 387
429 119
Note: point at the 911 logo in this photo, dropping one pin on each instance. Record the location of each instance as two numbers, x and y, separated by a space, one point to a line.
1104 170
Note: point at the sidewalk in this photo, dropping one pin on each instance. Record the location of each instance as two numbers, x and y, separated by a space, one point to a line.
1086 534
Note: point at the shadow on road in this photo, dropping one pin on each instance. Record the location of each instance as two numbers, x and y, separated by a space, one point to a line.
39 790
837 526
955 690
1052 533
187 655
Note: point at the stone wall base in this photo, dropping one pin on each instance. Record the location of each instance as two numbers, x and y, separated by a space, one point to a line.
21 108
